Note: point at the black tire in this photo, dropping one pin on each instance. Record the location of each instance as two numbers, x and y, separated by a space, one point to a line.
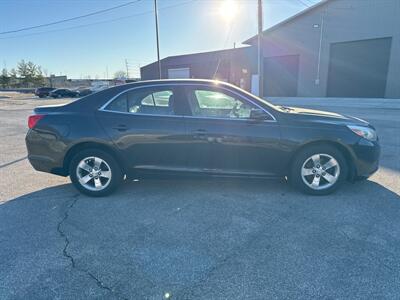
116 172
296 178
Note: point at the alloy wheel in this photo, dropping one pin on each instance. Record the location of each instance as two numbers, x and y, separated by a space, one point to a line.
320 171
93 173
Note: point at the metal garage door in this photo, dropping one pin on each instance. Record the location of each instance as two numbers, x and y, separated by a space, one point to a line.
359 68
281 75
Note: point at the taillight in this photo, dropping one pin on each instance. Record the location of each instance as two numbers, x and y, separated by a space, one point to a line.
32 120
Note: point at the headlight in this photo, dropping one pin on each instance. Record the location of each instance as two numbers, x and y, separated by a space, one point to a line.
365 132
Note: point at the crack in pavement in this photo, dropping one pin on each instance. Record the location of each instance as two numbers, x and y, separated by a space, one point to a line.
187 291
13 162
71 258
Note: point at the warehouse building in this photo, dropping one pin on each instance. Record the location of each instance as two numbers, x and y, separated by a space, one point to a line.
336 48
231 65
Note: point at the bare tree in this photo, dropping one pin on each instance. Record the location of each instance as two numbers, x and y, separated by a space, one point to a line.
119 74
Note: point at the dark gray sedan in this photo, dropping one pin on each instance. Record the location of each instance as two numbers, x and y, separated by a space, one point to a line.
196 127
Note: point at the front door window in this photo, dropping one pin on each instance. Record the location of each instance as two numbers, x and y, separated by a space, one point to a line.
215 104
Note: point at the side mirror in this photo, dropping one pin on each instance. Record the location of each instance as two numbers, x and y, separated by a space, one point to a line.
258 114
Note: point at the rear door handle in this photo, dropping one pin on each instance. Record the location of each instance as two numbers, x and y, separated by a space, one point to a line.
121 127
200 133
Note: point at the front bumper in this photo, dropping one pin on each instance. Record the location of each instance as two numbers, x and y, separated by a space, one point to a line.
366 158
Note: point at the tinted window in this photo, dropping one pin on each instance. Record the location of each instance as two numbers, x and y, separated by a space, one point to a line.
119 104
216 104
158 101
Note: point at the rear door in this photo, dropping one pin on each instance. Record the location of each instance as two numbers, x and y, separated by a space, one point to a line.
146 126
229 134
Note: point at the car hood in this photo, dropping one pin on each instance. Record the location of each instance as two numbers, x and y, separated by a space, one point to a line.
320 116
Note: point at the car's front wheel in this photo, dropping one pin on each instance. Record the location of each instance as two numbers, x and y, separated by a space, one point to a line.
318 170
95 173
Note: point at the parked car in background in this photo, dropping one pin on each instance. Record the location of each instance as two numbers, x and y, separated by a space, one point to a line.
98 88
62 93
43 91
84 92
197 127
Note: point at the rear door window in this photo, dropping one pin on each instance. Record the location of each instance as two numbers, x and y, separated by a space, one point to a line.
149 101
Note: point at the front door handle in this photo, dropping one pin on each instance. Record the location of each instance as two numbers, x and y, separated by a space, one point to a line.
121 127
200 133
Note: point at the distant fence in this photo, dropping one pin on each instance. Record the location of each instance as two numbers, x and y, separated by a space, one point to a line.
20 90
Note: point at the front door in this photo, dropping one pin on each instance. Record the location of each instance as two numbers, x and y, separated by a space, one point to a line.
229 134
145 126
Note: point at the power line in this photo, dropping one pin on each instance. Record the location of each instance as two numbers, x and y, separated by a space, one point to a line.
70 19
100 22
304 3
225 45
228 36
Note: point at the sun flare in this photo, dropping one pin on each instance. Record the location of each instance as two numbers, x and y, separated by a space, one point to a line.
228 9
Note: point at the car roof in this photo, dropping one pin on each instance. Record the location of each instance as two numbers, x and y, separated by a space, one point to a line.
175 81
97 99
186 80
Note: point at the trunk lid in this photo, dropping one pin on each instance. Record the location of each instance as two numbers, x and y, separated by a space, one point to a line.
45 109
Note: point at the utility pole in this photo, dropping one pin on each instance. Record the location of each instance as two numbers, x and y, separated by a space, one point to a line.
317 80
157 37
260 52
127 68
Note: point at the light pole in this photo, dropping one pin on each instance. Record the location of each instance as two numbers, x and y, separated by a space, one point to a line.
260 52
158 42
127 68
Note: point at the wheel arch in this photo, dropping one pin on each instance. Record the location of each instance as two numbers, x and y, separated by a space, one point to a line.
87 145
346 152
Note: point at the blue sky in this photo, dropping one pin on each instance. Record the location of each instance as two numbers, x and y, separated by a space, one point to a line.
186 26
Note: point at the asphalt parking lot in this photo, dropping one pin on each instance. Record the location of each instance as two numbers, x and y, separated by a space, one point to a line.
199 239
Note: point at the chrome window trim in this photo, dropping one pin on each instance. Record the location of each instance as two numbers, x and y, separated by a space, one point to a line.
140 114
230 119
182 116
103 107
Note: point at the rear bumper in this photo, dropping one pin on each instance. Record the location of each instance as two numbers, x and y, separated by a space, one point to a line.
46 164
38 144
366 158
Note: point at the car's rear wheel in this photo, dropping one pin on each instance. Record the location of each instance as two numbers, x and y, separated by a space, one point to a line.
95 172
318 170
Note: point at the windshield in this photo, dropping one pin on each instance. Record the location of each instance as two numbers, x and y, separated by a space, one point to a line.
256 98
